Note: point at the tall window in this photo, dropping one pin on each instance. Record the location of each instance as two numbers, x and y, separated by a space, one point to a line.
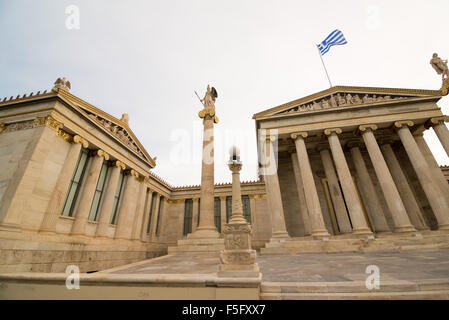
117 195
199 211
217 213
93 214
161 203
228 208
188 213
246 208
75 184
153 202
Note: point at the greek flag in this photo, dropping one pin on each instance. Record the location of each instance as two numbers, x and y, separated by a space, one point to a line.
335 38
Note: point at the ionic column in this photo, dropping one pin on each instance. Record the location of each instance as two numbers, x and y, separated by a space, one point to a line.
273 189
137 226
408 198
310 192
108 199
56 202
88 193
400 218
128 206
373 205
359 223
302 205
334 189
436 199
154 217
195 204
433 165
441 131
143 235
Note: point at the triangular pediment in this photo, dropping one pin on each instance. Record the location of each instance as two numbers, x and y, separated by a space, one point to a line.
116 128
342 96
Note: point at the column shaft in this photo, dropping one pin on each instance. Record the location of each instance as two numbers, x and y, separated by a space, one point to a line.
138 219
373 205
443 135
302 205
310 192
391 194
358 220
273 191
409 200
127 207
343 222
108 201
195 212
154 217
87 195
143 235
436 200
56 202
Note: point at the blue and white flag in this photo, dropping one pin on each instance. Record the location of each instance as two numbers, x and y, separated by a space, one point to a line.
335 38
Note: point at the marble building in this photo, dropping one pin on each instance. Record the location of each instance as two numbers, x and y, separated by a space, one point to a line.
77 187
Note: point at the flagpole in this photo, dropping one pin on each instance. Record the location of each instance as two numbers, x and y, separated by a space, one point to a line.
322 61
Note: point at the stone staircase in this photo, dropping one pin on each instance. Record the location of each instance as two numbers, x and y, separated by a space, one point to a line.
417 241
434 289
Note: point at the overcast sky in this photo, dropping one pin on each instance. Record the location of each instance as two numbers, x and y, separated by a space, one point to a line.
146 58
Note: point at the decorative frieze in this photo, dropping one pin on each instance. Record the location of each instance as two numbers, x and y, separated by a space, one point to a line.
47 121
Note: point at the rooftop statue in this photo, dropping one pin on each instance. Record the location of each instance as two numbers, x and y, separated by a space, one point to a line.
440 66
209 98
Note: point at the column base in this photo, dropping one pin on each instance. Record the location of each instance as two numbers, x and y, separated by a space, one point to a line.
404 229
204 233
320 234
443 227
280 235
364 231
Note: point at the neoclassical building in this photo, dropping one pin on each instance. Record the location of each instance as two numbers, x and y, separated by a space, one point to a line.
77 187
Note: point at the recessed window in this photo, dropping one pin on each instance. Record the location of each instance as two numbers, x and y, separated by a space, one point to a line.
117 195
188 213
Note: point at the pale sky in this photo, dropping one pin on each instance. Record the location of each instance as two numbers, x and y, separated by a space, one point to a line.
146 58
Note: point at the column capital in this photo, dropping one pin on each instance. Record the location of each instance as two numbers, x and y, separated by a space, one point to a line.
329 131
291 150
222 197
265 138
385 140
101 153
135 174
367 127
401 124
438 120
81 140
119 164
64 135
297 135
354 144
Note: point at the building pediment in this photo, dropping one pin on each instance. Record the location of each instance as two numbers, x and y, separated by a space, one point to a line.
342 96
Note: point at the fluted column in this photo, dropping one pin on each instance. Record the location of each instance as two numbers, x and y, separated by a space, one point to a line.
310 192
408 198
278 227
391 194
56 202
302 205
88 192
154 217
441 131
436 199
138 219
433 165
146 220
127 206
334 189
359 223
108 199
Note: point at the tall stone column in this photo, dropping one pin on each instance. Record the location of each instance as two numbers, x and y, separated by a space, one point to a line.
143 235
433 193
433 165
195 211
278 228
223 210
310 192
154 217
56 202
359 223
408 197
302 205
400 218
374 207
138 219
441 130
334 189
88 192
206 228
127 206
108 199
